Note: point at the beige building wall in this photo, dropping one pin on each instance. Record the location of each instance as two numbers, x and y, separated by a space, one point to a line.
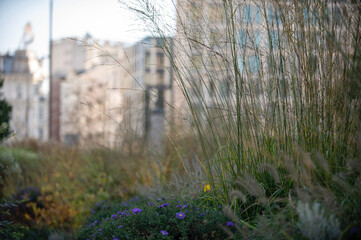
203 48
24 90
119 99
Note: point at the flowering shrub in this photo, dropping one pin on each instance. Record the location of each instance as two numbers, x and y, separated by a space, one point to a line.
142 219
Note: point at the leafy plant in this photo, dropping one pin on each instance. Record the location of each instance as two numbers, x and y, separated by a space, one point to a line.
160 219
5 113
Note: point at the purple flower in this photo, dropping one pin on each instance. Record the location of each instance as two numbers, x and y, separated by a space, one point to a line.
164 205
125 213
203 214
136 210
180 215
134 199
182 206
125 203
114 216
100 229
164 233
150 204
229 224
354 230
115 238
120 226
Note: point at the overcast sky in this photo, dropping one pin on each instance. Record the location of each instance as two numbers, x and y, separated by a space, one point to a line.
103 19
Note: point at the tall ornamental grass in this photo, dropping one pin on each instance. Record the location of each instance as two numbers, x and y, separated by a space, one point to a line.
264 81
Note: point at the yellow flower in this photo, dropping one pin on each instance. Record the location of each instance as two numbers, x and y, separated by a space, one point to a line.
207 188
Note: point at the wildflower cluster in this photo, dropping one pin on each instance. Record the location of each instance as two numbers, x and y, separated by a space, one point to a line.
168 219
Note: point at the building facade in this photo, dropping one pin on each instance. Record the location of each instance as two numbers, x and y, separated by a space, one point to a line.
24 90
228 48
110 94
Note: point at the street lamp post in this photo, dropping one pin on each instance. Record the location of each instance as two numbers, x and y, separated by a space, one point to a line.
50 71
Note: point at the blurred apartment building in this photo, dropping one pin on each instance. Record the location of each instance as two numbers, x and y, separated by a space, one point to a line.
24 90
80 72
207 46
108 94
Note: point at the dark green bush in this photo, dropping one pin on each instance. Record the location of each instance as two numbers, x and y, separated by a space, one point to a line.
160 219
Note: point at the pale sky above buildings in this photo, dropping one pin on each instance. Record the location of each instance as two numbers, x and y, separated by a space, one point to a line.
103 19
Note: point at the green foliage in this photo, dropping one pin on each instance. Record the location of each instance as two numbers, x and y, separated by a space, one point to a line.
71 180
117 220
9 230
5 113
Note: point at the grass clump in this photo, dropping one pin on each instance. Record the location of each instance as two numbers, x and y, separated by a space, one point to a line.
58 185
273 97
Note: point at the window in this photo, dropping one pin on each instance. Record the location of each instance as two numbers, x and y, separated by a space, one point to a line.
160 74
225 87
19 93
8 65
242 38
41 133
240 64
327 15
257 38
257 13
315 17
160 100
337 17
247 14
160 59
1 65
273 16
306 15
254 64
41 113
313 63
147 59
71 139
273 41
